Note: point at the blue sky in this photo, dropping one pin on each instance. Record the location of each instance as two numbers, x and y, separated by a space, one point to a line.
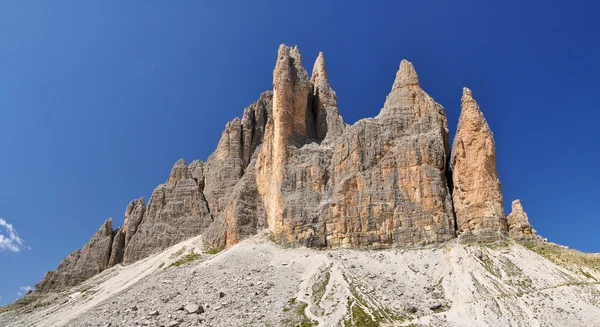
98 100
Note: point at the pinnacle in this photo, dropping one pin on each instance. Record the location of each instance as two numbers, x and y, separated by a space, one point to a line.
406 75
319 69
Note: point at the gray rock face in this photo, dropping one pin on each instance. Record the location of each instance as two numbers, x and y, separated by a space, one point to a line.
329 125
133 217
117 248
225 167
230 174
81 264
176 211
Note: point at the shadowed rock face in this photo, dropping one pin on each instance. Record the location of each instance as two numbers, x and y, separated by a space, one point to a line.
477 190
176 211
292 166
81 264
519 227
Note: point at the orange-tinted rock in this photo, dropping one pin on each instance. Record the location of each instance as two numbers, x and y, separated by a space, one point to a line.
519 227
477 193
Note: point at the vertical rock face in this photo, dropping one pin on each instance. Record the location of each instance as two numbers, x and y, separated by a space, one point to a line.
229 175
477 190
292 166
381 181
519 227
225 167
388 180
81 264
177 210
329 123
117 248
133 217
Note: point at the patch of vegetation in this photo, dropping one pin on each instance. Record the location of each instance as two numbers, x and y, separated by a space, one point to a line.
297 316
366 313
496 245
319 288
178 253
212 250
565 257
23 302
187 258
358 316
488 264
586 274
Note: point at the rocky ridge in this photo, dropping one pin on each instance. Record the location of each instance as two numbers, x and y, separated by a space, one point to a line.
292 166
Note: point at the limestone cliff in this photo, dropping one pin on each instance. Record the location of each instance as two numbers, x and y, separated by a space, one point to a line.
290 165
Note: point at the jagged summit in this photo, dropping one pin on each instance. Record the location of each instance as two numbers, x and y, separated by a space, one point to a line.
319 72
406 75
291 166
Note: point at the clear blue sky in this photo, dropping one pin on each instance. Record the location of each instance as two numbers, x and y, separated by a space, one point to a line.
98 100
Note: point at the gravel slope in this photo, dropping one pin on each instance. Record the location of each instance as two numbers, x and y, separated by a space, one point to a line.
258 283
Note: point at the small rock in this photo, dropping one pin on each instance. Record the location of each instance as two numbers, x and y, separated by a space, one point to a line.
435 306
173 324
154 313
134 308
221 295
193 308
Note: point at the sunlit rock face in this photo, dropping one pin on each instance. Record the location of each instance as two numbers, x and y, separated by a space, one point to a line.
519 227
477 191
291 166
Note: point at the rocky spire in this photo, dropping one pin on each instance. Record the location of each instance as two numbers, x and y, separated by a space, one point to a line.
292 115
406 75
134 213
477 190
519 227
329 125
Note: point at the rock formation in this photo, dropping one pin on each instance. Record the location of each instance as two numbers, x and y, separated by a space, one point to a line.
477 191
329 125
81 264
176 211
519 227
292 166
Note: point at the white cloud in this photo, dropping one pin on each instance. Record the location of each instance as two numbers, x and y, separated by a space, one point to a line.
25 289
9 238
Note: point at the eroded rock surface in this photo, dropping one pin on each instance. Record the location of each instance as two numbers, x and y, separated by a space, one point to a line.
176 211
477 190
291 165
81 264
519 227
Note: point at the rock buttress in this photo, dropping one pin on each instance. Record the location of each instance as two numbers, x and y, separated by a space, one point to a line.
176 211
388 183
230 176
